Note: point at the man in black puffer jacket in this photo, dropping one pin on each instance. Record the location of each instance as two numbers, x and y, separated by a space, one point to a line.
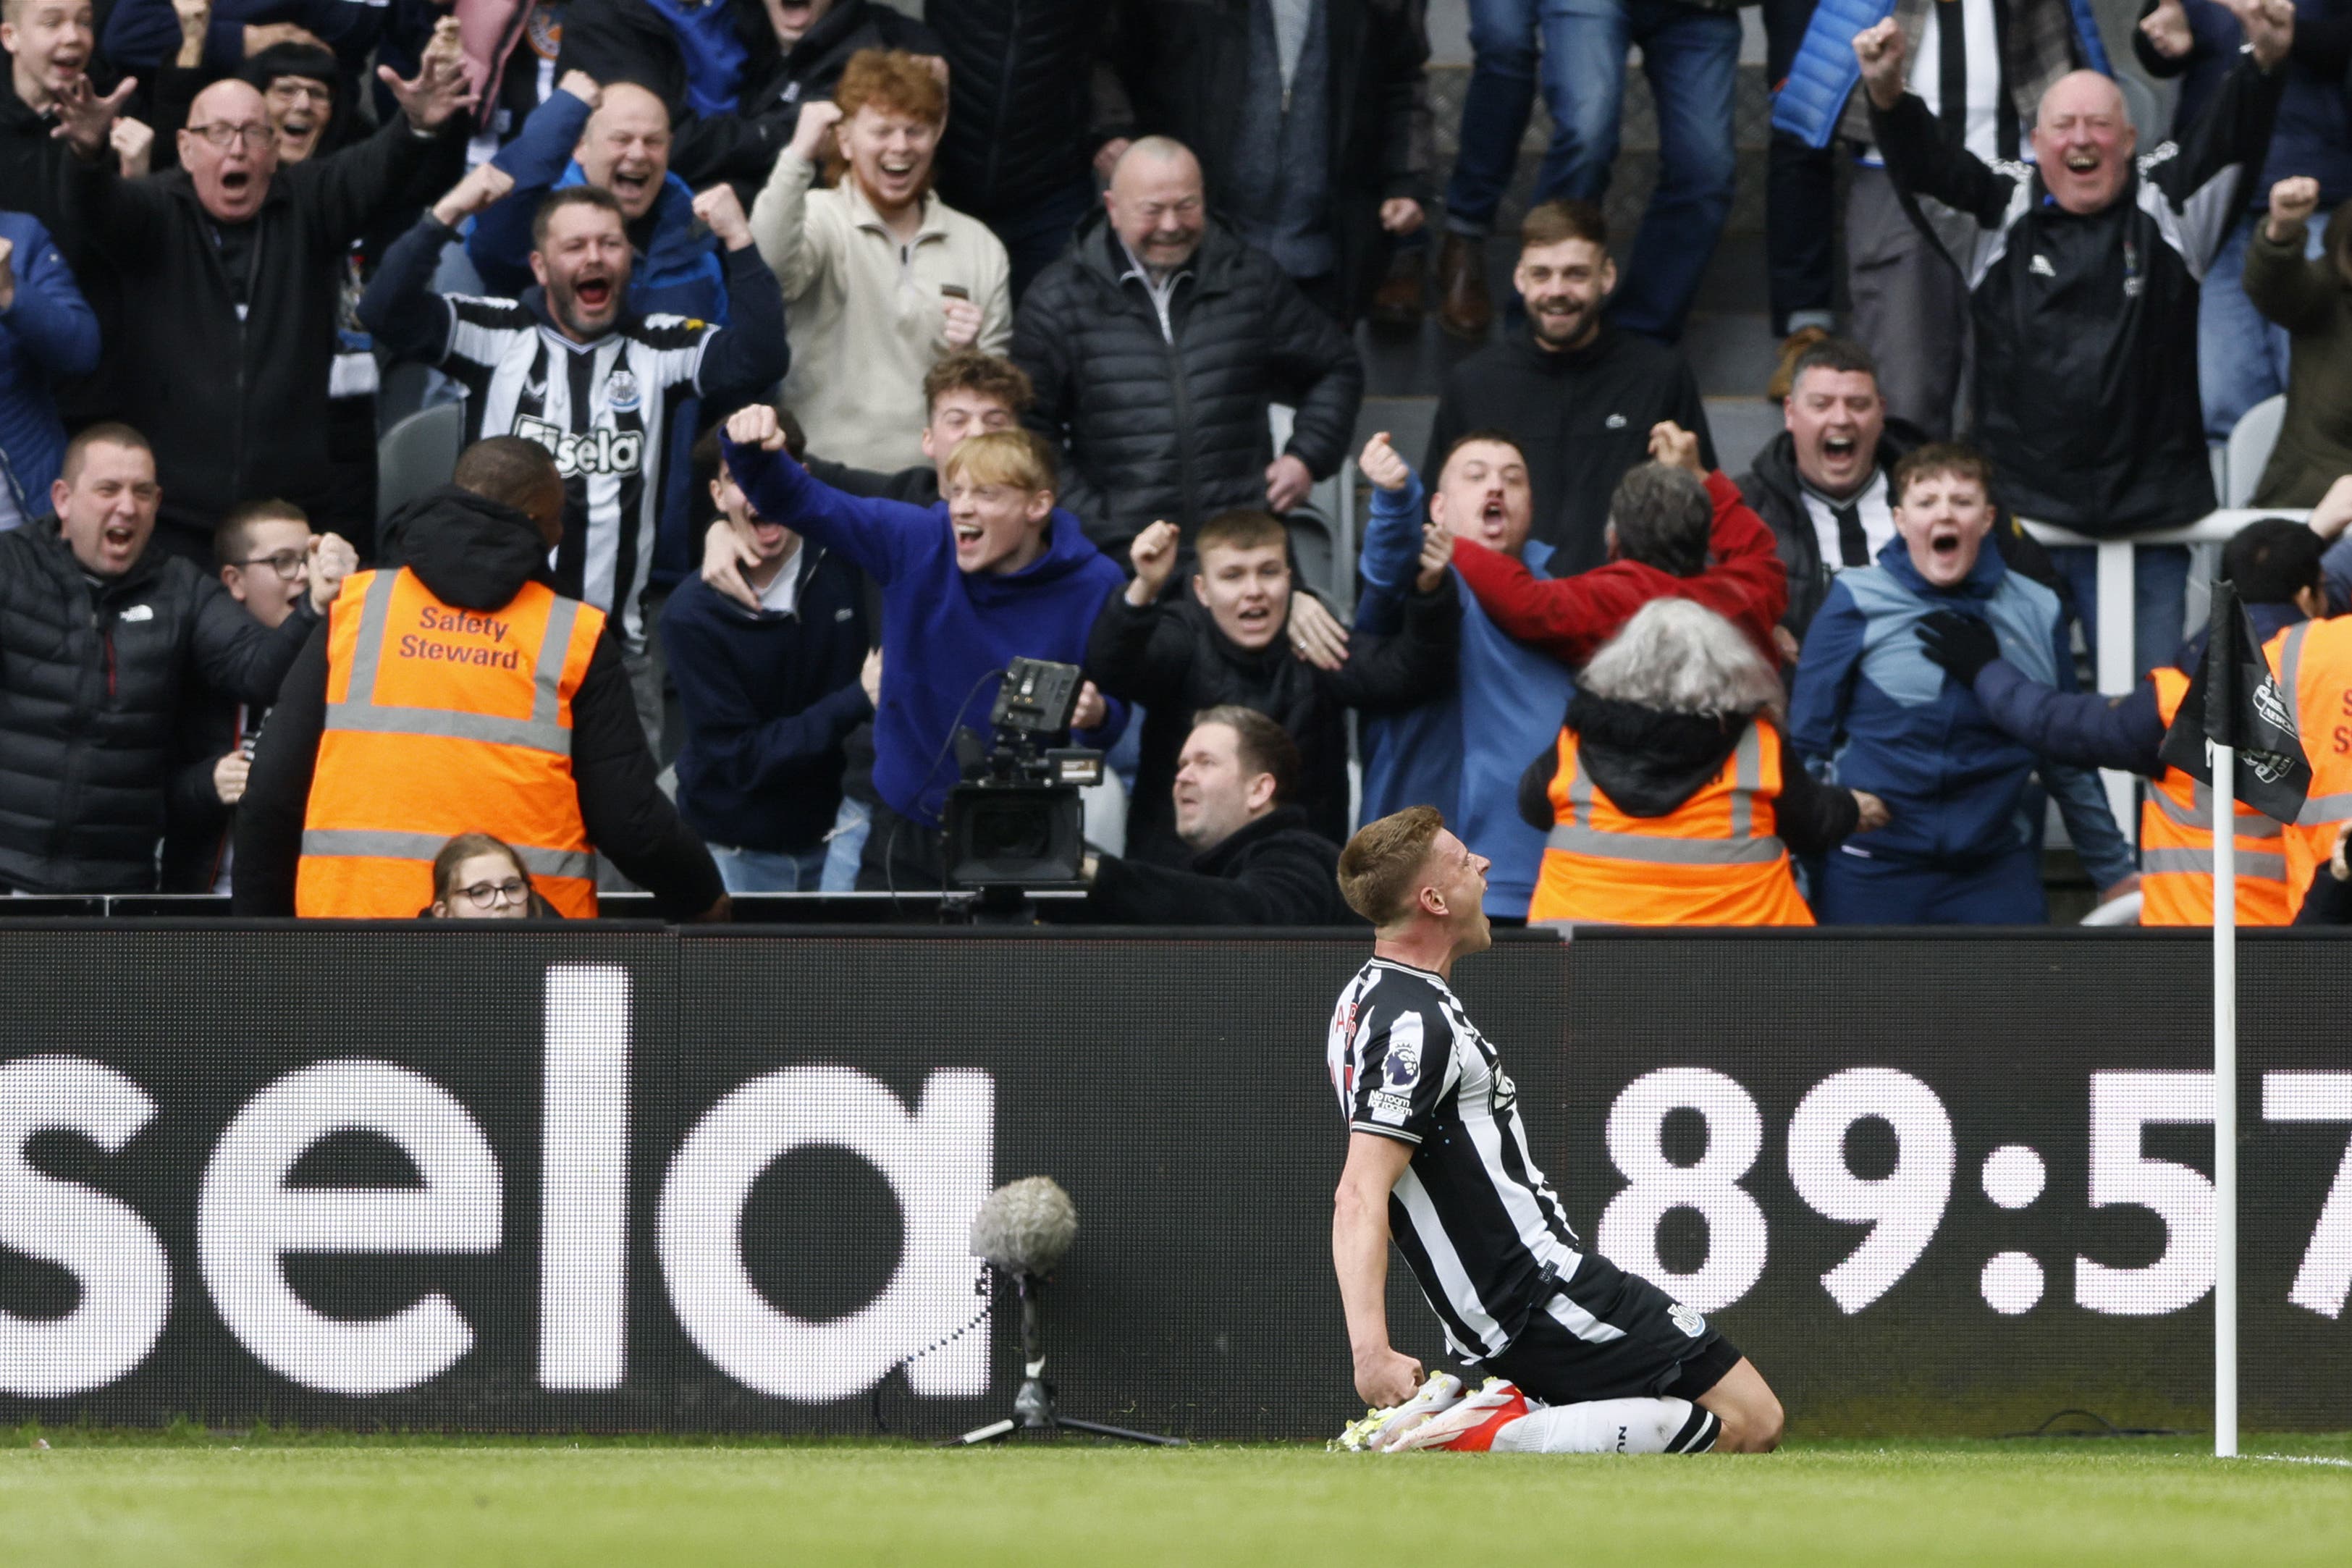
1254 860
1224 645
780 68
1157 344
102 639
1015 153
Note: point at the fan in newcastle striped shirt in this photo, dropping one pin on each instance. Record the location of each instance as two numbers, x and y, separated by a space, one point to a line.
569 365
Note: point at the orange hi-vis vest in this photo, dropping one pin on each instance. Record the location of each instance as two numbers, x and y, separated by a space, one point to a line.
439 721
2313 661
1713 861
2176 844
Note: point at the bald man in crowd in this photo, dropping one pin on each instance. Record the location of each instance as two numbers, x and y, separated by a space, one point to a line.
231 268
1157 344
2083 286
616 138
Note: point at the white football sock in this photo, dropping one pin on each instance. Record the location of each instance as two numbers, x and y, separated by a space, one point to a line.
1611 1426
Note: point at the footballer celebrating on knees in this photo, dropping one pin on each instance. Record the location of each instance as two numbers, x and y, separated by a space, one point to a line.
1586 1358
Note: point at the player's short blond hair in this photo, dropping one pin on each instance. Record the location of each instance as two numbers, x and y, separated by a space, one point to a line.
1379 870
1016 458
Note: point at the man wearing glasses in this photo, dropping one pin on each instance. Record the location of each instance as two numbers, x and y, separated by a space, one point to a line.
231 268
270 560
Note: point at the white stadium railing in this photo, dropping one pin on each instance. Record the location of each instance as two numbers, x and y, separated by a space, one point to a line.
2112 656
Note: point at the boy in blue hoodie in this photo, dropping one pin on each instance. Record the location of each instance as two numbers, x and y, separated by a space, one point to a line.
1870 703
994 572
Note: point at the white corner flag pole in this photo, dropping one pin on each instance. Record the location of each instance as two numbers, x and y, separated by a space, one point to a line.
2225 1103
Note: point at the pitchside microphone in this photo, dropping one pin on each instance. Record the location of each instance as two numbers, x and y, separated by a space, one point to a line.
1025 1226
1024 1229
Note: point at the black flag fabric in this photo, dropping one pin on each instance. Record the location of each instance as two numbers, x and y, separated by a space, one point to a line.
2234 700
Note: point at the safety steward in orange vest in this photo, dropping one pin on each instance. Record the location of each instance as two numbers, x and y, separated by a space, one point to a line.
441 721
1669 797
2313 662
458 692
2276 565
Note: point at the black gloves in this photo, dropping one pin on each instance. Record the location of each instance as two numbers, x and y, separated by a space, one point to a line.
1961 644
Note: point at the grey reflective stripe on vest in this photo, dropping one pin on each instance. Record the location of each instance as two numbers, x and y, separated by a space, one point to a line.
2317 809
359 709
2202 820
2268 863
369 843
1577 836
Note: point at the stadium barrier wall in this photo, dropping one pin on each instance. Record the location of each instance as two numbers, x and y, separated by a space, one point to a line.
621 1179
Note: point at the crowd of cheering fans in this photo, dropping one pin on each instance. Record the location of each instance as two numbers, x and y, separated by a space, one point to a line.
810 362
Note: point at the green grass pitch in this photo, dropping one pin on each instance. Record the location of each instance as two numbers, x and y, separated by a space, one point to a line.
95 1499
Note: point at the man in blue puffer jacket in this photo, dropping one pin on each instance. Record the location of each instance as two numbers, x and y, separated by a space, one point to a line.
1910 307
1961 848
46 333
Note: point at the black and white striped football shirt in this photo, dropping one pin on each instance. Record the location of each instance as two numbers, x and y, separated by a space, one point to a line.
603 409
1476 1221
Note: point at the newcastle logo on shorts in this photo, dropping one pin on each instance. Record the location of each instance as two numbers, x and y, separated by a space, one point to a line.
602 451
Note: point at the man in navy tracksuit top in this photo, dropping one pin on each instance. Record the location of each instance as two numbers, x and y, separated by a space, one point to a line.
1961 848
993 572
769 696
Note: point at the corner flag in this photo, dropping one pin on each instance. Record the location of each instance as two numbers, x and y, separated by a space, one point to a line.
2234 700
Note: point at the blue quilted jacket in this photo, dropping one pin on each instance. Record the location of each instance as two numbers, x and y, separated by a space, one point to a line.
1823 76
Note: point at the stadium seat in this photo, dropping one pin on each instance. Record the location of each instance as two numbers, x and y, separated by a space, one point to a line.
416 454
1106 808
2256 432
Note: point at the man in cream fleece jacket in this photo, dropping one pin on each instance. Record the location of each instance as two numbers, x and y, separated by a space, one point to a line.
881 277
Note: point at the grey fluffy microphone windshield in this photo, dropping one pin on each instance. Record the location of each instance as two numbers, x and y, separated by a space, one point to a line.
1025 1226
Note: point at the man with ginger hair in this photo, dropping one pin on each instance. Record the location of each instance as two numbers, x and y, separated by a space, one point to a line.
1586 1358
881 277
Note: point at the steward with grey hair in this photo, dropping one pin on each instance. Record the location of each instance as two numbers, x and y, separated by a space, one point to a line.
1670 797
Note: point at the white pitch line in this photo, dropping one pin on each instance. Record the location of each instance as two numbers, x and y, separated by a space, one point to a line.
2302 1460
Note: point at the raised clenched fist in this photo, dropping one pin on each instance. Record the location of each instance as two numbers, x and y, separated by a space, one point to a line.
1382 466
2293 201
1154 555
1884 53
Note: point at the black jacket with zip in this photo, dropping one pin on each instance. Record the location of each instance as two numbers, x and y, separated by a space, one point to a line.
1170 658
477 554
1274 871
93 676
1022 129
236 406
1173 425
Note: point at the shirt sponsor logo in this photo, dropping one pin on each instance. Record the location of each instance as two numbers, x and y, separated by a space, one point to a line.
585 455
